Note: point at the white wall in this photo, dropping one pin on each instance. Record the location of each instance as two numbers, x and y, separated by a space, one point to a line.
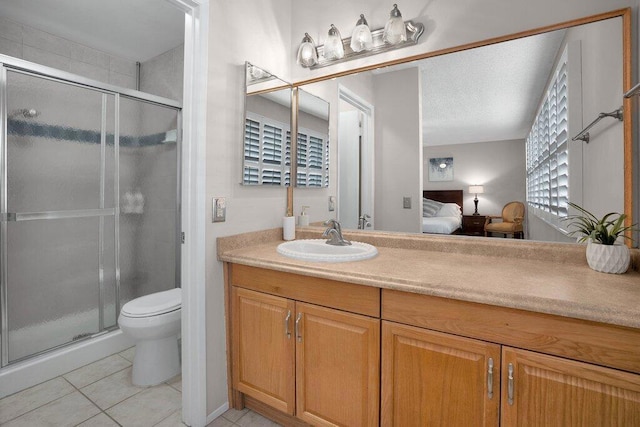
595 85
398 150
277 27
499 166
242 30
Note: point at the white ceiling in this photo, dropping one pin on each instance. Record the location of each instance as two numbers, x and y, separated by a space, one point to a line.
486 94
133 29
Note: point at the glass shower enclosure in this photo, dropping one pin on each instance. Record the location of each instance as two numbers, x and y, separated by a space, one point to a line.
89 205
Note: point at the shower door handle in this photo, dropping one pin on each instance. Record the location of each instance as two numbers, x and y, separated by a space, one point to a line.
31 216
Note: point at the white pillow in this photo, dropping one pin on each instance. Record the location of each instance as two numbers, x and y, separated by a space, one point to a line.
430 207
449 209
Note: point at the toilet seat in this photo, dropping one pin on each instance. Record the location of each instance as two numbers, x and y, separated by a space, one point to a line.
154 304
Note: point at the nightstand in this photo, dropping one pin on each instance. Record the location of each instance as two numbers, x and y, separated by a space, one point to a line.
473 225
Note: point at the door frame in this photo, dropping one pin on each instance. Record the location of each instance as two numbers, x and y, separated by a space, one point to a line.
367 151
193 262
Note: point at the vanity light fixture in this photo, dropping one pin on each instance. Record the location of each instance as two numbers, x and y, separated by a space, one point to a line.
333 47
361 38
476 189
307 53
363 42
395 31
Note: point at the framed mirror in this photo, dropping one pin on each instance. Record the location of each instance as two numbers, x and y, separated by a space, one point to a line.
501 116
267 132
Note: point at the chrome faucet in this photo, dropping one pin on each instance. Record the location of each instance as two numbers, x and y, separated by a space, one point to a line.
363 222
334 233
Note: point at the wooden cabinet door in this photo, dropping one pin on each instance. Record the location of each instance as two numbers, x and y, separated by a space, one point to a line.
264 348
541 390
337 367
435 379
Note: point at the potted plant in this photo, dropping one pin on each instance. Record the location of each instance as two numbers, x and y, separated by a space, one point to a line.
605 251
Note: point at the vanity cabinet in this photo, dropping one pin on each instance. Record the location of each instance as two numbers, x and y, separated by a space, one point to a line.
541 390
311 351
435 379
439 378
319 364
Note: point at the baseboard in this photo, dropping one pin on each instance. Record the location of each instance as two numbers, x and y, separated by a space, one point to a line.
215 414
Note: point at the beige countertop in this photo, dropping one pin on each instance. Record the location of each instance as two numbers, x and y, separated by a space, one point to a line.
541 277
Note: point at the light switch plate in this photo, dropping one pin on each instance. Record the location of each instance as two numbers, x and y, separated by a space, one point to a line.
219 209
406 202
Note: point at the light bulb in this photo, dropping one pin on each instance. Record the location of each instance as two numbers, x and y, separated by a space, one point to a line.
361 38
394 31
307 54
333 47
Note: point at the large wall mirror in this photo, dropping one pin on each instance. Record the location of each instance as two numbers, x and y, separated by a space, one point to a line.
492 121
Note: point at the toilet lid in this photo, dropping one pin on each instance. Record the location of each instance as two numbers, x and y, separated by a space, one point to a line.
154 304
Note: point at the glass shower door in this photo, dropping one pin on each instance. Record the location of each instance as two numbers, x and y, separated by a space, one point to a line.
58 209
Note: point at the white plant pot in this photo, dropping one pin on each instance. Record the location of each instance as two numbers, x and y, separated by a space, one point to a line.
608 258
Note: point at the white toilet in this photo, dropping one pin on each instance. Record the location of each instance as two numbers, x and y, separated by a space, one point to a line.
153 321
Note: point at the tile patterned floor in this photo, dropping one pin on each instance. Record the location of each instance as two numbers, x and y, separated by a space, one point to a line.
101 394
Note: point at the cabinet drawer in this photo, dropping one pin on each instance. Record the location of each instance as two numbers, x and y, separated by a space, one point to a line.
330 293
599 343
474 221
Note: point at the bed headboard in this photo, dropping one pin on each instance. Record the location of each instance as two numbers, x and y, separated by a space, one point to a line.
445 196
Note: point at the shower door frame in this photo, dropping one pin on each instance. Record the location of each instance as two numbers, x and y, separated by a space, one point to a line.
8 63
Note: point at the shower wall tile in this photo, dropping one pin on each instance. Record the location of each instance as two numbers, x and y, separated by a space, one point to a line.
10 30
122 80
90 56
163 75
88 70
46 41
122 66
10 47
44 57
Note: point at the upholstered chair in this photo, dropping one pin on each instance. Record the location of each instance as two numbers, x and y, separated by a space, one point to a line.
511 221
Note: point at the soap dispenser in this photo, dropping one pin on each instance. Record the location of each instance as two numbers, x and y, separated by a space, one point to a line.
303 219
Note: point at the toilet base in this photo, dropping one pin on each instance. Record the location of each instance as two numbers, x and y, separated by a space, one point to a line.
156 361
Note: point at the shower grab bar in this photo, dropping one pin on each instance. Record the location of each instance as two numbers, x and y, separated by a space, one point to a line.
81 213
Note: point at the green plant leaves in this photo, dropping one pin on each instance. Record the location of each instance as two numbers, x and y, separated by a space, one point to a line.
605 230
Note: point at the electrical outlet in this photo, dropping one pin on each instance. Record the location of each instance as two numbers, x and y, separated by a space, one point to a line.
406 202
219 209
332 203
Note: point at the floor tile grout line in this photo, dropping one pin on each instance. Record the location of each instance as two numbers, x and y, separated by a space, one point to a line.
171 414
44 404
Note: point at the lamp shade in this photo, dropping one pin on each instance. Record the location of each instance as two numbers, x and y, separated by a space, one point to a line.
361 38
333 47
476 189
394 31
307 54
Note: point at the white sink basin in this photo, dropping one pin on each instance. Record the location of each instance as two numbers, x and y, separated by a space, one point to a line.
318 250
